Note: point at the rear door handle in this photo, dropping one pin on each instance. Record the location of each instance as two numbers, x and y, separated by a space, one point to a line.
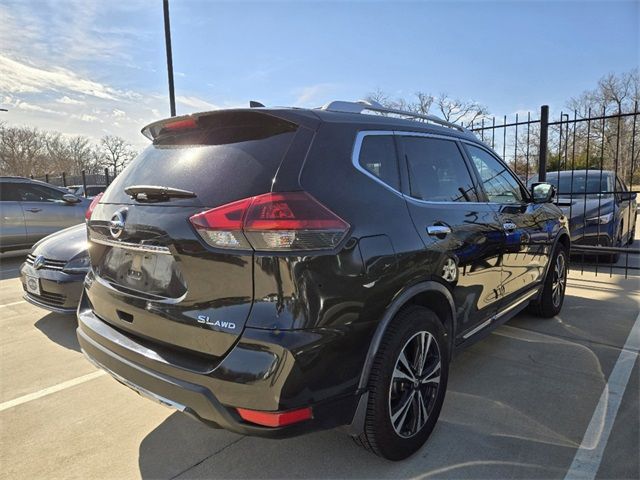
509 226
34 210
438 230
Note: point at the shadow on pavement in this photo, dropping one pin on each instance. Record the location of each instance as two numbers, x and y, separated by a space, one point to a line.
10 266
496 421
60 329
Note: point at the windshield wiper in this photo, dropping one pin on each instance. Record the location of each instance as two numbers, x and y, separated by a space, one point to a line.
156 192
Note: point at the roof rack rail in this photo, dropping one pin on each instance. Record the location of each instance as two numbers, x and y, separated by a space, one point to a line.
364 105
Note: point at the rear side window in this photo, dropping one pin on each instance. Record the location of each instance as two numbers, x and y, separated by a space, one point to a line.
378 157
437 170
231 155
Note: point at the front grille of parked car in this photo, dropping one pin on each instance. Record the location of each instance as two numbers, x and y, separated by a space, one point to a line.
48 263
48 298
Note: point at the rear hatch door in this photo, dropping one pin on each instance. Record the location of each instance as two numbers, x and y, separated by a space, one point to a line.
152 275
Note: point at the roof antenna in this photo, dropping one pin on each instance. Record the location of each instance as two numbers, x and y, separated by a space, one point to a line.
254 104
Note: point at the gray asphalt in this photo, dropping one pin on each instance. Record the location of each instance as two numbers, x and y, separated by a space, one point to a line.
518 405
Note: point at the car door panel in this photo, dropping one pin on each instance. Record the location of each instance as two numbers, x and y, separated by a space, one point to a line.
45 212
14 232
475 244
454 227
526 226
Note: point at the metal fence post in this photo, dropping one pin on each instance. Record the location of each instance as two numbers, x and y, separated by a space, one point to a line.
106 176
84 183
544 137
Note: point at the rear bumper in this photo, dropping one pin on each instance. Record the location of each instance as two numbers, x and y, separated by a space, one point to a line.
212 392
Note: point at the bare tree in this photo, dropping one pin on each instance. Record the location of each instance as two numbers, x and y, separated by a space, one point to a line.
114 153
81 153
455 110
451 109
22 151
610 140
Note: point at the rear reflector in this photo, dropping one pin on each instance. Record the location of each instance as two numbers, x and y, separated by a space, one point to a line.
275 419
92 206
272 222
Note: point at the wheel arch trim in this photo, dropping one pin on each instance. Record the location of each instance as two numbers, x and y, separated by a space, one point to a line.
399 301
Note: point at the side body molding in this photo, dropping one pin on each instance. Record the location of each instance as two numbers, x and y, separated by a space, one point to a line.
398 302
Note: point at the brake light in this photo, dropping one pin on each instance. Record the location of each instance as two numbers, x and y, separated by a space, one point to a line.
92 206
184 124
275 419
272 222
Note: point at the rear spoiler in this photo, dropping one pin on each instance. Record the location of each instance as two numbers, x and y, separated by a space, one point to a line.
184 122
210 118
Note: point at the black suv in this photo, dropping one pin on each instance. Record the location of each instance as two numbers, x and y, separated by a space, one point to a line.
278 271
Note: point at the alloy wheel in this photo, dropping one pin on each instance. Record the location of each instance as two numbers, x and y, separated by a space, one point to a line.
559 279
414 384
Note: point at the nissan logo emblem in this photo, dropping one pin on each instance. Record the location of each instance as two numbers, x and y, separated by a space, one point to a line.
116 224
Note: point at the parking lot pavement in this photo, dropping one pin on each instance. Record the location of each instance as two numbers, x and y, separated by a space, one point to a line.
523 403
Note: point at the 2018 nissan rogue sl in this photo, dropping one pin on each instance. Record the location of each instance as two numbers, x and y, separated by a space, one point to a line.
278 271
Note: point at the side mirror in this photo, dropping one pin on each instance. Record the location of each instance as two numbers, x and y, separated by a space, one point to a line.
542 192
628 196
70 198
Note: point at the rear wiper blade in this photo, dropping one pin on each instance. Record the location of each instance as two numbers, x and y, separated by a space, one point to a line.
156 192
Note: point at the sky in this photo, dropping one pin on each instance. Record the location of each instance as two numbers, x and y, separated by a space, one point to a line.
89 67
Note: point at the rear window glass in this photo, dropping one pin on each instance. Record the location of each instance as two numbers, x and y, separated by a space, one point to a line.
234 156
378 157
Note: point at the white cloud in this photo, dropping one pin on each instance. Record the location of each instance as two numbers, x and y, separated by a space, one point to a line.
70 101
86 118
19 77
195 102
313 95
118 113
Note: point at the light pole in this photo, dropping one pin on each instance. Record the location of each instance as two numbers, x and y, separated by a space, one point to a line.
167 38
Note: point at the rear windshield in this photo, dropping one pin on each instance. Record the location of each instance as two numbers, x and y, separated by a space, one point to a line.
232 157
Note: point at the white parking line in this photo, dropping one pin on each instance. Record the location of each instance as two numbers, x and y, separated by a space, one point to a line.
49 390
14 303
588 457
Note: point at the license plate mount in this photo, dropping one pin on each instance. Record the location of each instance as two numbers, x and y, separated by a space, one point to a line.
32 284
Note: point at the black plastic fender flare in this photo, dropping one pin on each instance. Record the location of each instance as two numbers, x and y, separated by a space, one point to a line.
398 302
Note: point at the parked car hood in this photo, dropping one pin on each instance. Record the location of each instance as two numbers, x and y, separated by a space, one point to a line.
63 245
577 209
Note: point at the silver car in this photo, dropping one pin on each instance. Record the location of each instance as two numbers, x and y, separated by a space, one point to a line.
31 210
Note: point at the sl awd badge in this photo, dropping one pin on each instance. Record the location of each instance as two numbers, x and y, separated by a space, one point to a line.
206 320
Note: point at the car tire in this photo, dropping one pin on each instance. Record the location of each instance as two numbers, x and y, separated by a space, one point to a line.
405 394
614 257
554 287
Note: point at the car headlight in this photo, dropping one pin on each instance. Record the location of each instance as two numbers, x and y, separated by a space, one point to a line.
78 264
602 219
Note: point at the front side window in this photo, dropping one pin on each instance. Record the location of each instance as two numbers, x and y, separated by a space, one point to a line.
39 193
378 157
437 170
8 192
498 182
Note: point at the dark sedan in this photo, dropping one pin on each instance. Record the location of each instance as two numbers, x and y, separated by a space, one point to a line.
600 208
55 268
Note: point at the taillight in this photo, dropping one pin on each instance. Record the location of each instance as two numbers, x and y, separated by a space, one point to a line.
92 206
273 222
